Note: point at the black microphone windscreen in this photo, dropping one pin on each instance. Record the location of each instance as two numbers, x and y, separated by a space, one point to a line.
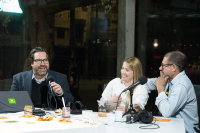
50 78
142 80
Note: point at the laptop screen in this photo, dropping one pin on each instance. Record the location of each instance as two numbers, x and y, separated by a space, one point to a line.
14 101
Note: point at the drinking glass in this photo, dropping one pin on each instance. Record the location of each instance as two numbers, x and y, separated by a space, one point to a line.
66 112
94 119
110 119
28 110
118 116
86 116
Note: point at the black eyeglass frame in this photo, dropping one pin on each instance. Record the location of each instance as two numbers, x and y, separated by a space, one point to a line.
40 60
169 65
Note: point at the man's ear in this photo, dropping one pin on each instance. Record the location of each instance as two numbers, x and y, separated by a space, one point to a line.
174 68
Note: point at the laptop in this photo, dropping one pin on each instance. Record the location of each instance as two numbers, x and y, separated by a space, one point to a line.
14 101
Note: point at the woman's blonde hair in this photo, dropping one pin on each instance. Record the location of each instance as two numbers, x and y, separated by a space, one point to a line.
135 65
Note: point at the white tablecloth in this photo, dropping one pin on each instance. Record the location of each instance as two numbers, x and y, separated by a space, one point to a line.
174 126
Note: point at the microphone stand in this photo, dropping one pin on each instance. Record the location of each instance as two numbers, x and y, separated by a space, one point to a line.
131 109
50 108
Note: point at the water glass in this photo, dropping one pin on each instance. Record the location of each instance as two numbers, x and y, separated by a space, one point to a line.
118 116
110 119
87 116
94 119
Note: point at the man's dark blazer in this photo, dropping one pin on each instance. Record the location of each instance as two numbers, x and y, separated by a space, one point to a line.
23 82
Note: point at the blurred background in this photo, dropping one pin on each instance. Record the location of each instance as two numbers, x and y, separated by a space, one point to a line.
93 37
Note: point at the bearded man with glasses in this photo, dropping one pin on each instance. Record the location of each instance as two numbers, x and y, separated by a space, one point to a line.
35 81
176 95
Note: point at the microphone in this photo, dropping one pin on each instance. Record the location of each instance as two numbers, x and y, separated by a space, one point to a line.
142 80
49 80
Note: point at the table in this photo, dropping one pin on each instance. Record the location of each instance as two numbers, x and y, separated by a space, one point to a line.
174 126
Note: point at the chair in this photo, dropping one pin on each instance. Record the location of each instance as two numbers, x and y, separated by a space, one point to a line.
104 86
6 84
197 92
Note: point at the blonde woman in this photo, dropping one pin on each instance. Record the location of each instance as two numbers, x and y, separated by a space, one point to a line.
130 72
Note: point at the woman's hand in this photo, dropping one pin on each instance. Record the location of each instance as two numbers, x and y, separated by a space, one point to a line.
121 108
114 99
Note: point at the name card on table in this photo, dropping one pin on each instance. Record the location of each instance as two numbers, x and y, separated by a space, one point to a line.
160 119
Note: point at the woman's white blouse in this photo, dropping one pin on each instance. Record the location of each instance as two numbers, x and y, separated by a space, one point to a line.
116 86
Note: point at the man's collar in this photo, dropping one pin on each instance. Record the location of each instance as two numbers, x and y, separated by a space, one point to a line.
33 77
177 76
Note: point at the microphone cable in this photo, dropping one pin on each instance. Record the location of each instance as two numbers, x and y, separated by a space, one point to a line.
52 94
55 99
118 100
120 95
143 127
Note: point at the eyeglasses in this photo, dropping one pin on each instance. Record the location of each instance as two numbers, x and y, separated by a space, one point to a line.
39 61
167 65
164 65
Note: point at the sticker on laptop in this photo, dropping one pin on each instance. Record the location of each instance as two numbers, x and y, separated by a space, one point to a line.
11 101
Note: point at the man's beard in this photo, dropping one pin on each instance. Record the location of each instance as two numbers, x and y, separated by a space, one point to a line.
166 75
37 72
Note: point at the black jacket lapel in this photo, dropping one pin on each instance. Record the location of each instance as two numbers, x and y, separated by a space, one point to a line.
28 81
